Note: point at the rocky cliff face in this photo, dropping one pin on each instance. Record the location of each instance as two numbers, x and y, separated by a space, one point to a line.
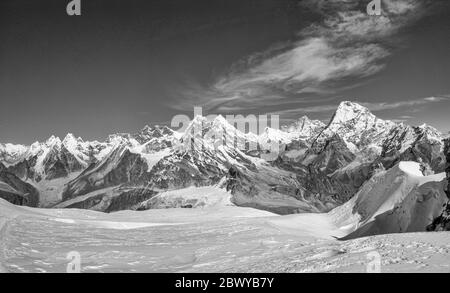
442 223
422 144
319 173
120 166
123 178
54 159
15 190
305 129
357 126
447 167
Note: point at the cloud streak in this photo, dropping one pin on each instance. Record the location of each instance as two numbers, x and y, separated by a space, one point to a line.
374 107
345 46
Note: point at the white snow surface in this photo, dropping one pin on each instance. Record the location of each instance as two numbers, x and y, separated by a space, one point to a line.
398 200
219 237
151 158
304 127
195 197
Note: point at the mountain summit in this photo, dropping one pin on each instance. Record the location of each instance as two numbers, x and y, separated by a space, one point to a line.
358 127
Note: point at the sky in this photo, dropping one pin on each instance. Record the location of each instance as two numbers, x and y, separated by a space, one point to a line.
122 65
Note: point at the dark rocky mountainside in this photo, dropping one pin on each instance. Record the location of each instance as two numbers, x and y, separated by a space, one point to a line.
15 190
317 167
442 223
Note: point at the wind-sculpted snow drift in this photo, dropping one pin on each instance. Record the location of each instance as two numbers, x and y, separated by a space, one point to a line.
319 168
398 200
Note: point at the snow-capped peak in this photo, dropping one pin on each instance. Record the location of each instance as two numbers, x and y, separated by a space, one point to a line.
305 127
53 141
358 127
198 120
220 120
275 135
304 120
431 132
348 111
147 129
70 141
10 153
13 148
223 124
149 132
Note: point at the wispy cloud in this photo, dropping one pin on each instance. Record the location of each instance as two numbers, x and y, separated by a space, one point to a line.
344 46
374 107
437 99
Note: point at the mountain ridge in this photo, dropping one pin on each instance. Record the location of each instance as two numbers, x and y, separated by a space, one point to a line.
316 168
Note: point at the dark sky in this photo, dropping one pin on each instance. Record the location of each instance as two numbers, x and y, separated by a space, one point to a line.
125 64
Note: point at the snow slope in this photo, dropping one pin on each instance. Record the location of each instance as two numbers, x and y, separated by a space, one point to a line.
394 201
191 197
219 239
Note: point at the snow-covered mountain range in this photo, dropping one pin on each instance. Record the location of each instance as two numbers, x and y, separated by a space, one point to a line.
318 166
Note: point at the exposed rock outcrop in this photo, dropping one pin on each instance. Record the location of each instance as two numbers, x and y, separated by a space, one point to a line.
442 223
420 144
121 166
110 199
16 191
